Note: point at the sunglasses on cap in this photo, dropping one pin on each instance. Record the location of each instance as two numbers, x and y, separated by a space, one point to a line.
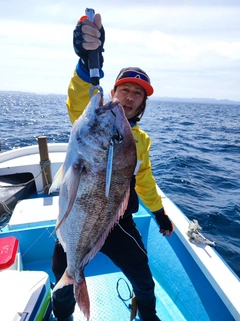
135 75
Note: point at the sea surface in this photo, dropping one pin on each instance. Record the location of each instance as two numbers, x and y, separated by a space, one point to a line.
195 155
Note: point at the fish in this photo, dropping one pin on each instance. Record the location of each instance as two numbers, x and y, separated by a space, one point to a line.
94 188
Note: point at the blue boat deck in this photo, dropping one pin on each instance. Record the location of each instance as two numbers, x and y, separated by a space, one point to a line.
105 303
178 298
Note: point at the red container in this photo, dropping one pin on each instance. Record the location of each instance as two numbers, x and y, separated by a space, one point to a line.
8 251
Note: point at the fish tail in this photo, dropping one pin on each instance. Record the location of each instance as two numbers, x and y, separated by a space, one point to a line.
82 298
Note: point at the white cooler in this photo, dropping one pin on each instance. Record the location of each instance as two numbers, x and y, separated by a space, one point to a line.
24 295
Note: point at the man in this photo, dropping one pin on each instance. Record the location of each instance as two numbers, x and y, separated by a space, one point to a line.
124 245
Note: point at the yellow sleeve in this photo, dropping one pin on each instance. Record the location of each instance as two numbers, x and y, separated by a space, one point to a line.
145 183
78 97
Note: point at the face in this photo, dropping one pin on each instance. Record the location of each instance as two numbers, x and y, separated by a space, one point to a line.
131 97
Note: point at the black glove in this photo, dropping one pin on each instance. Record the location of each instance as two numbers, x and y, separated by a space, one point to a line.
80 51
163 220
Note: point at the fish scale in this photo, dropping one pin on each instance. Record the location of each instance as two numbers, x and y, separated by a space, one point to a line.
86 214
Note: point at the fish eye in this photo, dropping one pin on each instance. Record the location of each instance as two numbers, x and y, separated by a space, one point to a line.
117 138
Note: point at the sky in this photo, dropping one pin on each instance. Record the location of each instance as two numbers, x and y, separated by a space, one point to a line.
189 48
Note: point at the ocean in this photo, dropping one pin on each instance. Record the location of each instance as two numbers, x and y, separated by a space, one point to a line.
195 155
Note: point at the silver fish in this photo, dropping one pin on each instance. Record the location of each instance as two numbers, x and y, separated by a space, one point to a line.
86 213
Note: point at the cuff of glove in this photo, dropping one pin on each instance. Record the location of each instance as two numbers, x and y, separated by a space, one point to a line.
163 220
83 73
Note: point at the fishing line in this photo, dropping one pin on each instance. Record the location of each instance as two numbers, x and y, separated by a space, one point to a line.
36 240
113 112
5 207
6 216
131 306
132 238
130 292
43 166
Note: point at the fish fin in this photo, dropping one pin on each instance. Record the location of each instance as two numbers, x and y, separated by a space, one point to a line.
72 180
82 297
98 245
61 240
64 281
57 180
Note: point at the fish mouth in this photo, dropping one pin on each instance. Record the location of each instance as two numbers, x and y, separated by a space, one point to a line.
108 106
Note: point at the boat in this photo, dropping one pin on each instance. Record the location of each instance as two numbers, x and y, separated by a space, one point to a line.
192 281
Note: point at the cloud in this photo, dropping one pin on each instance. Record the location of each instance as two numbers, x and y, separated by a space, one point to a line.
187 48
